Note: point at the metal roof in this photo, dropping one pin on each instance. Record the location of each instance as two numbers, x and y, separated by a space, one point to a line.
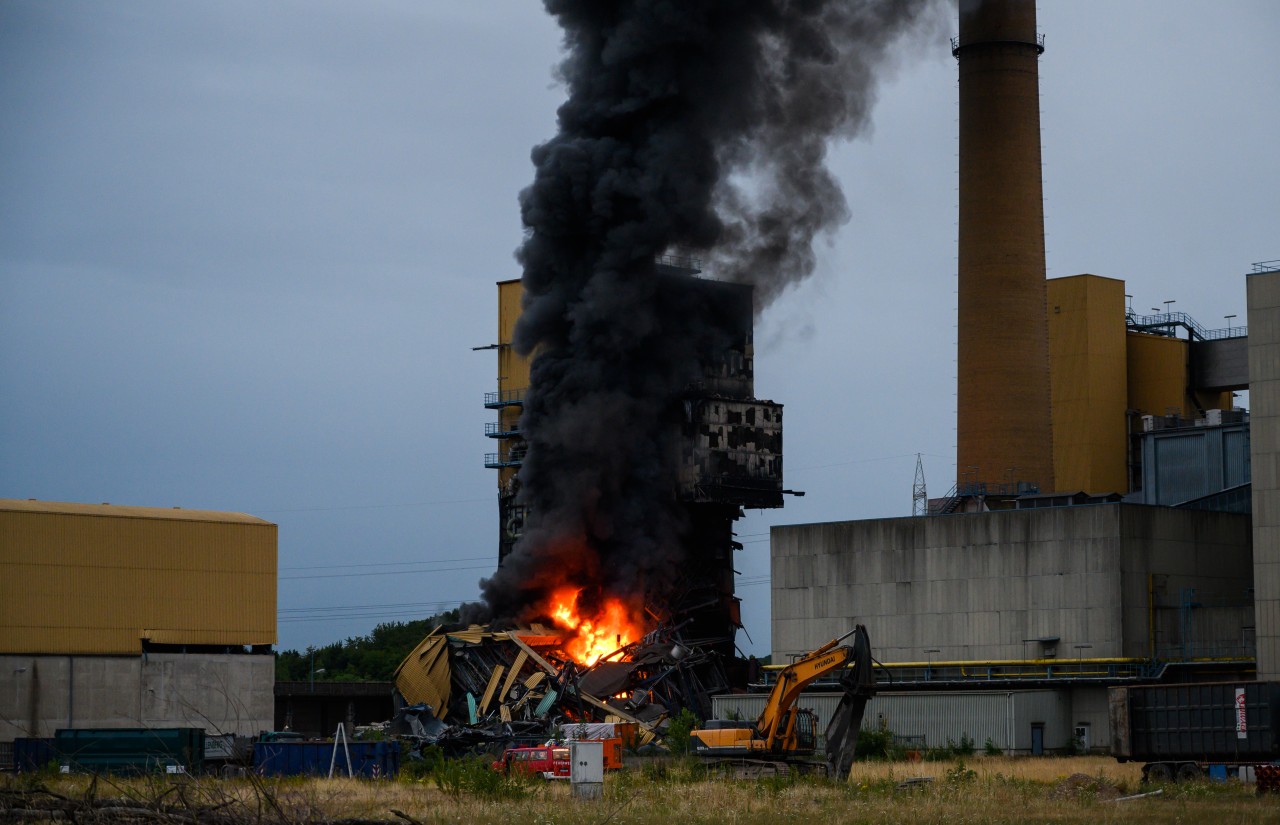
126 511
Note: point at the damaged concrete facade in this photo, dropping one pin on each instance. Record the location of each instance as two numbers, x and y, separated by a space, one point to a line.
732 452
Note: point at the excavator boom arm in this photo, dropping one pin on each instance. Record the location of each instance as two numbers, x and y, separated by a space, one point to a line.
791 681
783 730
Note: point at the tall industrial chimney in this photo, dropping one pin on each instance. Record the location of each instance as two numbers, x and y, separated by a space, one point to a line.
1004 432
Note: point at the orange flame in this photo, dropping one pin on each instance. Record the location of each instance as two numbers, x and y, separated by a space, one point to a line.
592 636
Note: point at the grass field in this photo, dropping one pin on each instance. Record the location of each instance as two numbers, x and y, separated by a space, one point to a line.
979 790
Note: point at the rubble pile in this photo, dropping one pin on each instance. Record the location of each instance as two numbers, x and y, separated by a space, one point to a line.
475 689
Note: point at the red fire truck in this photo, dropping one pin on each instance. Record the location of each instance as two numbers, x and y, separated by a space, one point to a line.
547 761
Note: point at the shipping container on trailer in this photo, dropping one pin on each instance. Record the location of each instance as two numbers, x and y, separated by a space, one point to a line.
1184 731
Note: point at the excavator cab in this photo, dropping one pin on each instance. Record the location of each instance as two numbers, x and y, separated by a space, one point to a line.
806 731
798 734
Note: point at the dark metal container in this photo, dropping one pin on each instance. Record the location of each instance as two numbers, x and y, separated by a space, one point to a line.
131 750
31 754
1211 722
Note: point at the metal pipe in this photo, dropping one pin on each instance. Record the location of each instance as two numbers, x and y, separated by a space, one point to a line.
1018 662
1151 616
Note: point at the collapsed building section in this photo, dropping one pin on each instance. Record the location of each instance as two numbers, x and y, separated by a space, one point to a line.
730 446
471 689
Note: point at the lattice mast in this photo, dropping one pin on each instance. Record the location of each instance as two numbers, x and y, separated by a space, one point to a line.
919 493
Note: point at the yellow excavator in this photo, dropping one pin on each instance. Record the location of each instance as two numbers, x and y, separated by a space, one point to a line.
784 736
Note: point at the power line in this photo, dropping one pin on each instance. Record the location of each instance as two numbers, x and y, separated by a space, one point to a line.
369 506
329 607
332 613
384 564
860 461
389 572
375 614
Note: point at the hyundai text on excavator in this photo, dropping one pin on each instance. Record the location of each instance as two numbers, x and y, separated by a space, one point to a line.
784 736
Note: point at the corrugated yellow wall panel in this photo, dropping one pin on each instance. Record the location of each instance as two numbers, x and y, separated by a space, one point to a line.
513 369
1088 374
1157 374
424 675
76 582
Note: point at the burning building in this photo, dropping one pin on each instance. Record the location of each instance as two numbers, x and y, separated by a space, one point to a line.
629 434
720 446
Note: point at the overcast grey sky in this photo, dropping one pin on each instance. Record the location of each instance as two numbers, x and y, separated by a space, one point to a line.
246 248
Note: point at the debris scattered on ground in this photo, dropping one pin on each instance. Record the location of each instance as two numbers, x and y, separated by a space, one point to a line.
1156 792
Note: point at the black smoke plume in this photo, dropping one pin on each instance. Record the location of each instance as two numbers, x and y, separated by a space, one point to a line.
691 126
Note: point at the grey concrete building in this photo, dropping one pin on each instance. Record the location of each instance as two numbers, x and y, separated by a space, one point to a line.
1097 581
220 692
1263 289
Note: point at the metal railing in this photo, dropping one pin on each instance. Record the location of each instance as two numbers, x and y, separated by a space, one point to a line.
948 504
503 398
498 429
956 45
679 262
1164 323
497 461
999 672
1267 266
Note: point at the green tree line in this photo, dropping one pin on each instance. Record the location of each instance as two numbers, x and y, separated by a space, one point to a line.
372 658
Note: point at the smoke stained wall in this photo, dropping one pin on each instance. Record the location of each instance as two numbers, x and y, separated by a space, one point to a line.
696 127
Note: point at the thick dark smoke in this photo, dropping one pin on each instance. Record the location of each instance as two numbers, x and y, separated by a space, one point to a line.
691 126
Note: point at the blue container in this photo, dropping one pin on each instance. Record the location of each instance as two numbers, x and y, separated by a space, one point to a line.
31 754
372 760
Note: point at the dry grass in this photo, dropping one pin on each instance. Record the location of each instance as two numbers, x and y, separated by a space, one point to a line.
1047 769
999 790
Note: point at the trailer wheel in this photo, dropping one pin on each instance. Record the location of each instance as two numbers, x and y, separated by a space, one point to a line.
1159 772
1189 772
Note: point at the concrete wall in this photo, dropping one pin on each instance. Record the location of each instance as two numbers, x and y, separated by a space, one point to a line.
1220 365
1264 396
223 693
984 586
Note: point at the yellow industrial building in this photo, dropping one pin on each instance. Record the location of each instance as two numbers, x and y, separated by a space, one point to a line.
1105 377
117 616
